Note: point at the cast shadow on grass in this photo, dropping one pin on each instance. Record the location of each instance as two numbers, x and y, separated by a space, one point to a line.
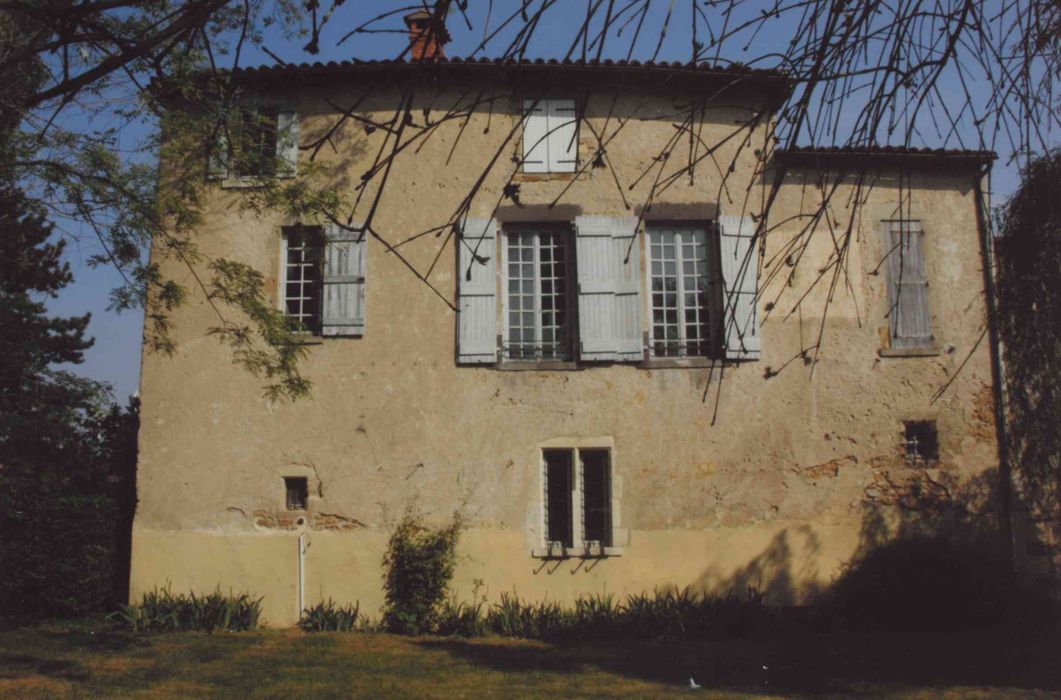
787 663
928 599
22 665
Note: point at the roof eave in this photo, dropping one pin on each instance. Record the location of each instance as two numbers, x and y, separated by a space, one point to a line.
885 158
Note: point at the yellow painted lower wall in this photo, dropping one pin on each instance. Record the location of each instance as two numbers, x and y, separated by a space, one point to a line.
787 561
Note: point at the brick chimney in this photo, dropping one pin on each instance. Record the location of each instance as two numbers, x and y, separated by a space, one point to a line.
427 34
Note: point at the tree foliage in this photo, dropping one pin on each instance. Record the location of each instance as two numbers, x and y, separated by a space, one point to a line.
1029 261
67 459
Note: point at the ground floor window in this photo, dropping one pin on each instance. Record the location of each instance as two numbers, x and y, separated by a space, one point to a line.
577 498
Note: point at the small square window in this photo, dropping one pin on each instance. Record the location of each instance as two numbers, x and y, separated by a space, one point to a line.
297 490
920 441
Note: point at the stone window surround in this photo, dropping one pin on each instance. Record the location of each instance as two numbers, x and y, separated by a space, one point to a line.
911 211
620 536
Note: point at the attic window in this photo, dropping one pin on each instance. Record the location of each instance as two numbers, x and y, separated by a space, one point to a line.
257 132
550 136
920 441
297 490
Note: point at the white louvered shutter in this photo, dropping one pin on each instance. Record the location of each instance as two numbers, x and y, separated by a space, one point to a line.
477 292
535 136
563 136
609 306
740 271
629 339
907 284
287 143
343 303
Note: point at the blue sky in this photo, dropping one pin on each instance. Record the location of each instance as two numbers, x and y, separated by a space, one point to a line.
115 358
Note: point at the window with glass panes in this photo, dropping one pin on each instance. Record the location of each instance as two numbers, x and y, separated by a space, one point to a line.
537 322
577 497
684 292
303 250
257 140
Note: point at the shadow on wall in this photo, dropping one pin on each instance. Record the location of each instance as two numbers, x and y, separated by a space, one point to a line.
785 572
924 533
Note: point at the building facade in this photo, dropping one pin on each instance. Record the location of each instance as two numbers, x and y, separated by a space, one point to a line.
638 360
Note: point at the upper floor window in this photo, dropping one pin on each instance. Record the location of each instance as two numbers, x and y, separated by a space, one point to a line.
685 292
264 142
301 284
538 290
550 136
580 291
255 155
908 316
323 277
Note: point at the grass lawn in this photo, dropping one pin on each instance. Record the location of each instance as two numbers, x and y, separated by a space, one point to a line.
90 660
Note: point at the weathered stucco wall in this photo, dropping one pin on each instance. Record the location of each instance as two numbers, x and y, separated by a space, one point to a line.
769 473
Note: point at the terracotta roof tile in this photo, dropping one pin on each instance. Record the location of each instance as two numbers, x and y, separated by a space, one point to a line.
883 154
592 65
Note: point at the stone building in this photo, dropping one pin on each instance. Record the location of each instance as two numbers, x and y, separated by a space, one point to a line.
645 382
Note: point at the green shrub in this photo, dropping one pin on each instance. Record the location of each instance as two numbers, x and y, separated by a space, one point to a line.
326 616
512 617
659 615
165 611
461 619
418 566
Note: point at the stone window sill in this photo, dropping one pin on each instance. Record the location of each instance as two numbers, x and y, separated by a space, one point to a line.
246 182
543 366
545 177
680 362
577 553
926 351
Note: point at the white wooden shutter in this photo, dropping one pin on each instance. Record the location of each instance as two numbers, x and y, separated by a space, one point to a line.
535 136
563 136
609 301
740 271
287 143
907 284
477 292
343 303
629 340
217 165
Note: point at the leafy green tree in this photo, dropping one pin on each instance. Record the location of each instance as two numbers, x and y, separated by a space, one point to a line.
1029 281
67 460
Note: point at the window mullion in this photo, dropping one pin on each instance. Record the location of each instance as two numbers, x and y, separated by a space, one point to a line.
683 349
578 508
539 337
